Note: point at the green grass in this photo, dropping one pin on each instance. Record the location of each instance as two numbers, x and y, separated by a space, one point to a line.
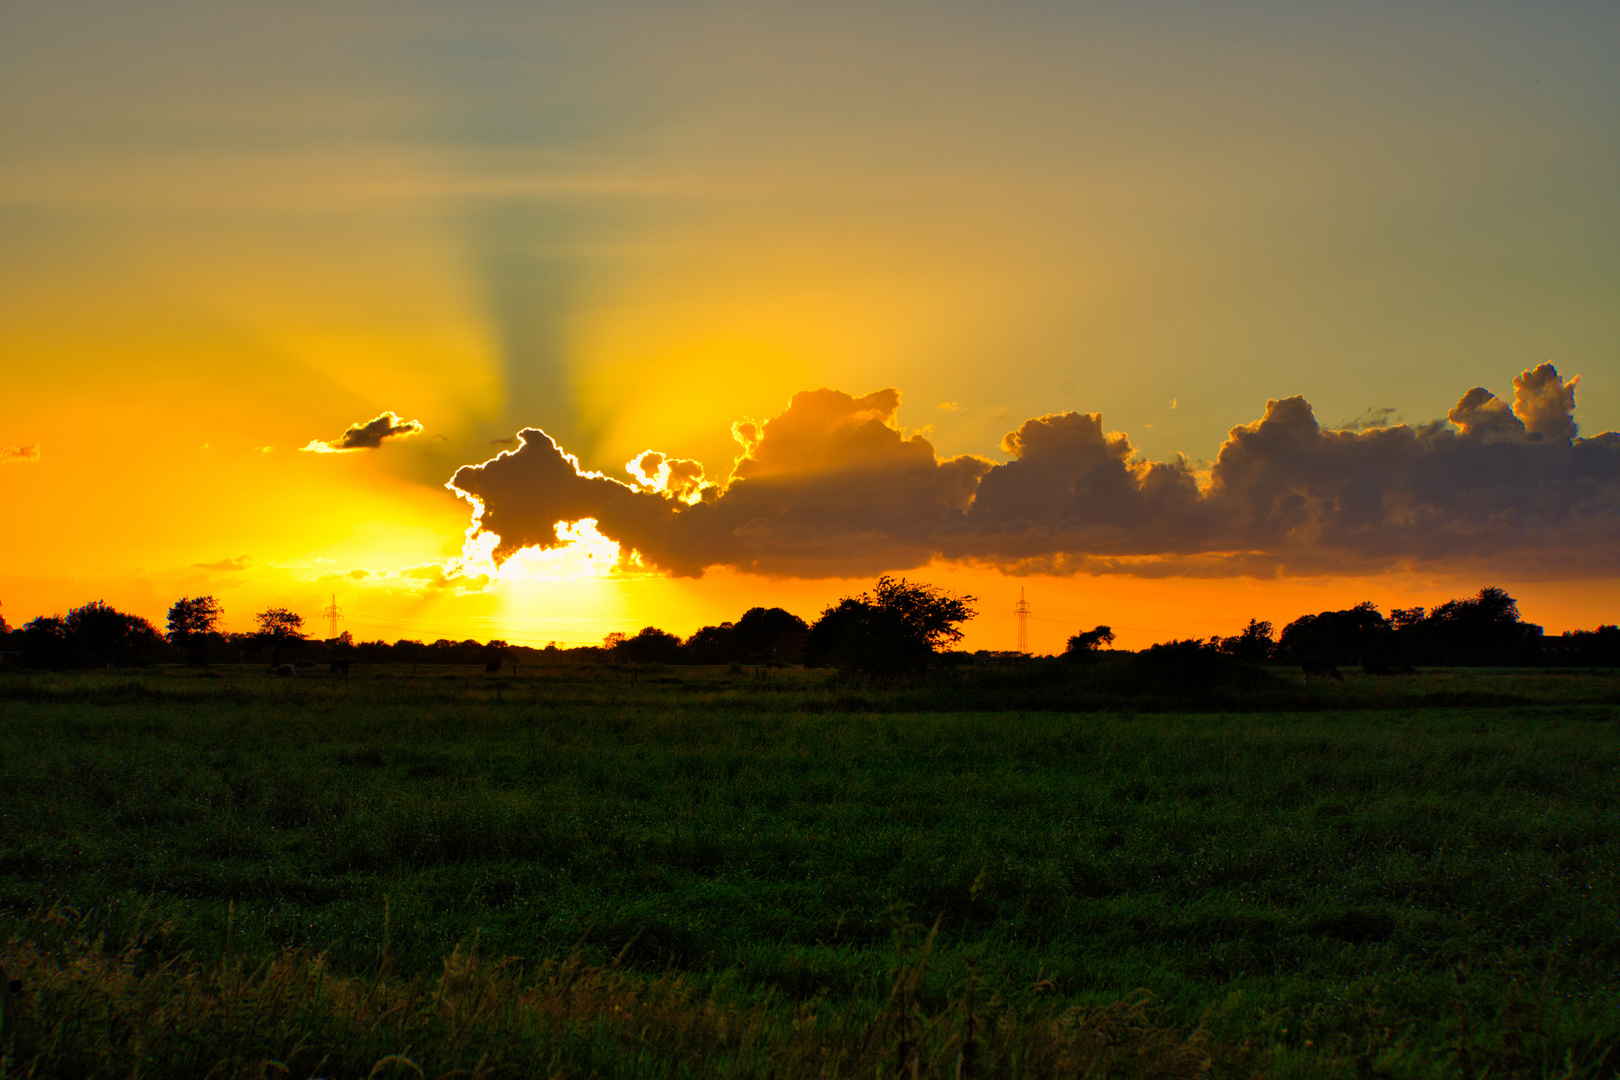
1415 874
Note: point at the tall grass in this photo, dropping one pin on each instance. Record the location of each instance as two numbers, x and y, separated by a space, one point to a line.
83 1011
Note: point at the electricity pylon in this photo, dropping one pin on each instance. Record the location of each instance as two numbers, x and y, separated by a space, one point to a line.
332 613
1021 609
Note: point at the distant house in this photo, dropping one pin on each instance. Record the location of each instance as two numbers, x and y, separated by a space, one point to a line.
788 648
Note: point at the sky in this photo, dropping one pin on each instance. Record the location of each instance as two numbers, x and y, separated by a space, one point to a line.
1167 315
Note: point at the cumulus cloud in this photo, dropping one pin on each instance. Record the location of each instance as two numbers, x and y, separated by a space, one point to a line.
828 488
25 452
367 436
833 487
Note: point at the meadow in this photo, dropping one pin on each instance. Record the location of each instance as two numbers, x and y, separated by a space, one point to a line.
1019 870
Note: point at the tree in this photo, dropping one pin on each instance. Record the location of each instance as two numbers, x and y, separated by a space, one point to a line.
100 635
1254 644
1357 635
759 629
1083 646
193 617
279 626
192 622
92 635
712 645
894 629
45 642
650 646
1484 629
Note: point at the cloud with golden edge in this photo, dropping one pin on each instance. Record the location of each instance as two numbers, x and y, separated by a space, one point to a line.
366 436
832 487
19 454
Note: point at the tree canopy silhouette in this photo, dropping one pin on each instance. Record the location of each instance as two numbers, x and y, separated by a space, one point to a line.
894 629
279 626
191 617
1083 646
650 646
93 635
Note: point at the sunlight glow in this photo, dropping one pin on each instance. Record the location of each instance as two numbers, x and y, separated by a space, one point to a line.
677 478
585 553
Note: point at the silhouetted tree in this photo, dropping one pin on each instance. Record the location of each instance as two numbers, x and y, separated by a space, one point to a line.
1082 647
1586 648
93 635
192 623
190 616
712 645
279 627
1254 644
892 630
759 628
1357 635
45 643
100 635
1405 618
650 646
1485 629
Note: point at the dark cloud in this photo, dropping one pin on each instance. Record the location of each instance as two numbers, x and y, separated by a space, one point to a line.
832 487
828 488
367 436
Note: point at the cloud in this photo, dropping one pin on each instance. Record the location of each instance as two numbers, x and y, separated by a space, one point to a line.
366 436
225 565
25 452
828 488
1545 403
833 487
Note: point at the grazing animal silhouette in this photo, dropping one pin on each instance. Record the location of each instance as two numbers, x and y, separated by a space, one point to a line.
343 666
492 667
286 669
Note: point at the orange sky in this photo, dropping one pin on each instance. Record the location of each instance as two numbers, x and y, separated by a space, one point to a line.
225 233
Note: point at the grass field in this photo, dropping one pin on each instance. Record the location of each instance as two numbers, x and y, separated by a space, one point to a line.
695 872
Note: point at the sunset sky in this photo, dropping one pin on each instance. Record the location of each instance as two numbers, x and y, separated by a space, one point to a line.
270 275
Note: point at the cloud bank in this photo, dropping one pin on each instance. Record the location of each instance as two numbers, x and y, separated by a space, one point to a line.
366 436
833 487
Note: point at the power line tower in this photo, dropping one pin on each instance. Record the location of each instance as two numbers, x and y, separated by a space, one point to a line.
332 613
1022 609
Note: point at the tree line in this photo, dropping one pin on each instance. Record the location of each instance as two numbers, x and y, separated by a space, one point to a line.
896 628
1484 630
